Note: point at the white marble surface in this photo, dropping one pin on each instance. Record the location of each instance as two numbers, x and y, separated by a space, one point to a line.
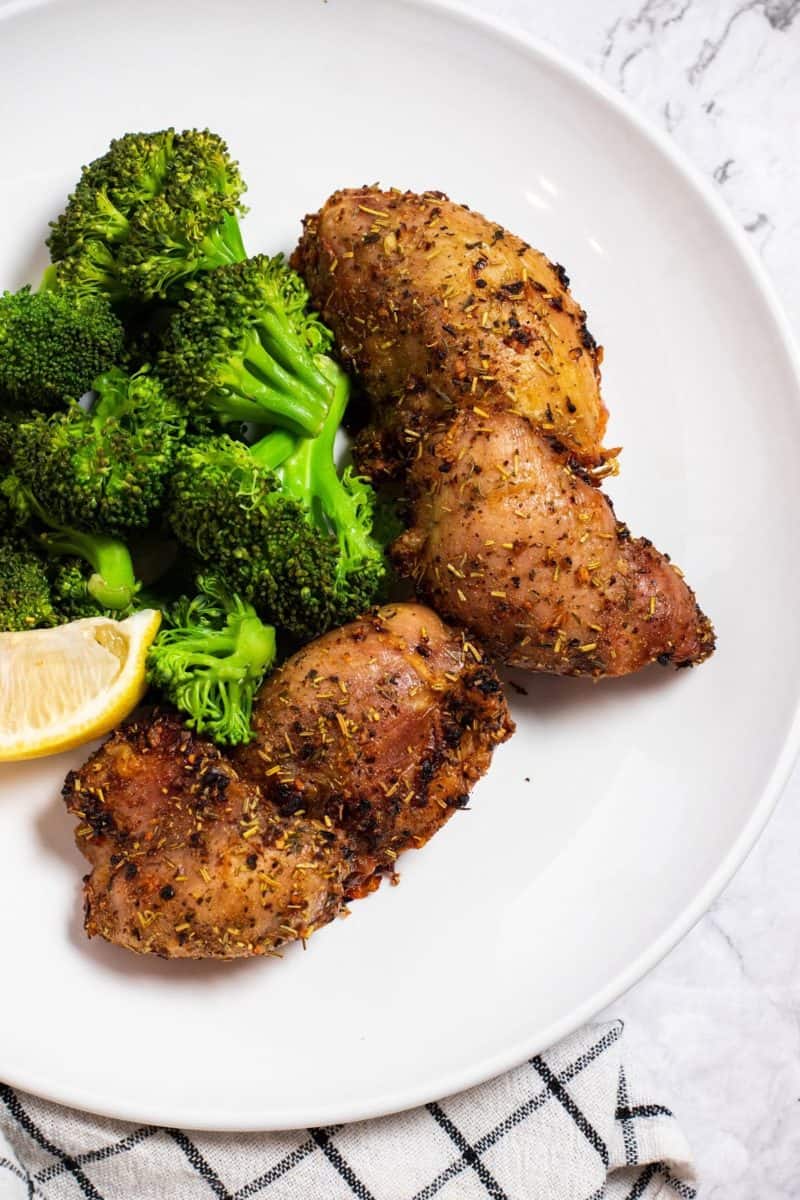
717 1024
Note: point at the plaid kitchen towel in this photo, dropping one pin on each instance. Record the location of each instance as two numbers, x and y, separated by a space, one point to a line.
567 1125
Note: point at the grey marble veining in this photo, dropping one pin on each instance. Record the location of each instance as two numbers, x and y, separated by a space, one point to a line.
717 1023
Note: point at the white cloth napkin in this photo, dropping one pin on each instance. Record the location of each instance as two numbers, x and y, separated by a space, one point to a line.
567 1125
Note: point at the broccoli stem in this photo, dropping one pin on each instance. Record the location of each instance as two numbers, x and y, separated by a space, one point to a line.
113 584
285 382
290 352
307 468
255 642
273 449
49 280
224 244
309 475
204 649
321 464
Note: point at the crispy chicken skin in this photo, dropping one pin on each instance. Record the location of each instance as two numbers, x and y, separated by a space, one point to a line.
366 742
381 727
436 308
534 560
187 859
484 386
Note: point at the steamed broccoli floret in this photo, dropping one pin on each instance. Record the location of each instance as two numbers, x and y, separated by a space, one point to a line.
150 213
210 657
341 510
280 525
243 347
25 601
112 582
229 512
106 469
52 345
71 594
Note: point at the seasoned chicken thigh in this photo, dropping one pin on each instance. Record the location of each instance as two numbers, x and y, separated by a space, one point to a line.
484 386
533 559
366 742
435 308
380 728
187 859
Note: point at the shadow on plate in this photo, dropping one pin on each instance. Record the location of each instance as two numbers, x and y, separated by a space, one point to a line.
555 697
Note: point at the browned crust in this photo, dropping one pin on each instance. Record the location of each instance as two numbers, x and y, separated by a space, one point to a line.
367 741
434 308
510 538
468 341
188 862
382 728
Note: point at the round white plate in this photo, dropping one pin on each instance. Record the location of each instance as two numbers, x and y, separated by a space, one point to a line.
612 819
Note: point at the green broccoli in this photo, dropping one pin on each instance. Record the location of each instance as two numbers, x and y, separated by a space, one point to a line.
149 214
242 347
229 512
69 588
106 469
112 582
52 345
25 601
278 522
340 508
8 429
210 657
72 596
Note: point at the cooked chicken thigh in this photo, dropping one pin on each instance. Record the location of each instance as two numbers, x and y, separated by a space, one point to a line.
484 387
435 308
511 541
187 860
380 728
367 741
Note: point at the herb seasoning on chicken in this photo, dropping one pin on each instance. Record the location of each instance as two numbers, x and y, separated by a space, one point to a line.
380 728
367 740
435 309
484 384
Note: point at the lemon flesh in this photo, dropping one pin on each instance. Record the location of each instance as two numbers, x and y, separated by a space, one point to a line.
64 686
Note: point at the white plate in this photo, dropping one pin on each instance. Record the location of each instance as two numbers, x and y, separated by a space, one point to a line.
618 811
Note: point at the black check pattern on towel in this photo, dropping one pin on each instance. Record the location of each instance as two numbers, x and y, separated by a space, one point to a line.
564 1126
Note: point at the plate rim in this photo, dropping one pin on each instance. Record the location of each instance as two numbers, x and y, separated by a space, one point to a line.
490 1066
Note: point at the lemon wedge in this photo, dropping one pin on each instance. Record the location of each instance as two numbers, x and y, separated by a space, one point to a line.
64 686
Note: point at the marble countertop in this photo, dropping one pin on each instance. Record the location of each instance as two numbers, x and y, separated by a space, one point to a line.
717 1024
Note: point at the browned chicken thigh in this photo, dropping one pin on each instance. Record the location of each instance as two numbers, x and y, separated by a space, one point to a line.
484 386
366 742
435 308
187 859
380 728
534 559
